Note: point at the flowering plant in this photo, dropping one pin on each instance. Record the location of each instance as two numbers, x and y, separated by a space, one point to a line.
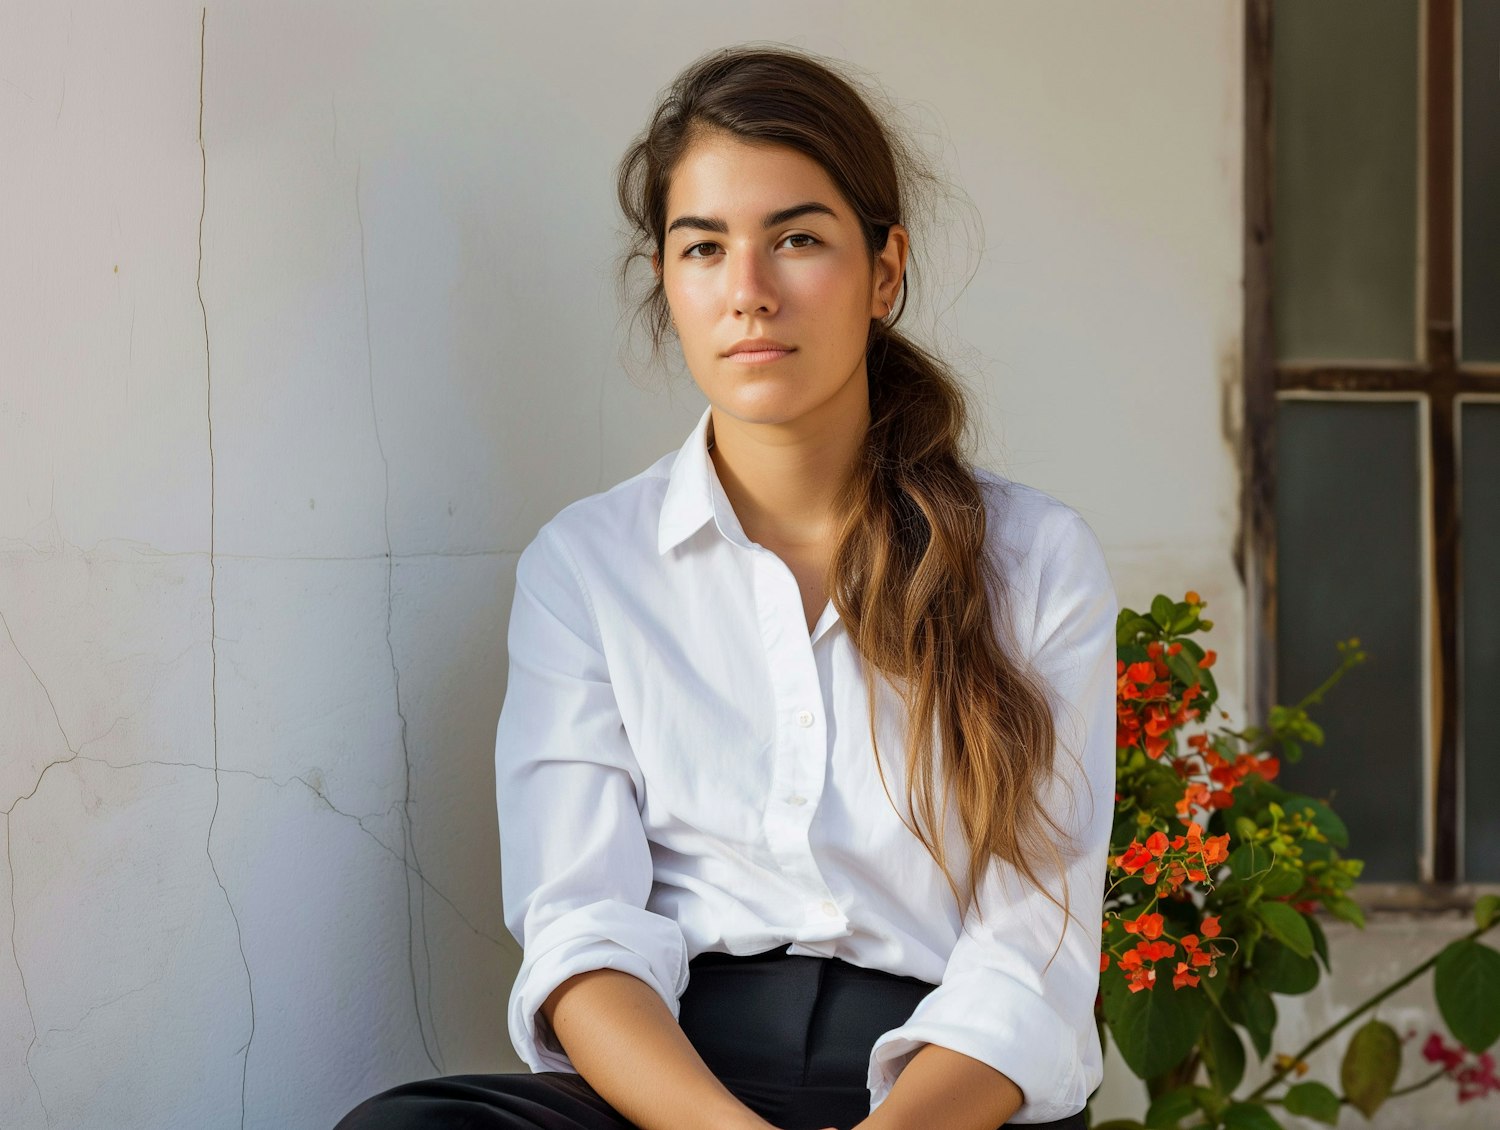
1215 873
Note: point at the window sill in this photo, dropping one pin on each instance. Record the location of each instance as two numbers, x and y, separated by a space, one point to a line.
1393 900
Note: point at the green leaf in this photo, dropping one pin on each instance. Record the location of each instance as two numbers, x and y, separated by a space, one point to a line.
1345 908
1183 667
1171 1108
1162 609
1466 983
1280 970
1315 851
1252 1008
1248 860
1154 1028
1281 880
1130 625
1210 693
1320 941
1223 1052
1370 1067
1249 1116
1325 819
1486 910
1186 622
1314 1100
1288 926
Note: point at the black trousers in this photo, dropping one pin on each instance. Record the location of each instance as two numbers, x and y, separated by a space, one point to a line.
788 1034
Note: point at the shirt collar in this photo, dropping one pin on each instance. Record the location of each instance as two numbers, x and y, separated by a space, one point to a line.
694 495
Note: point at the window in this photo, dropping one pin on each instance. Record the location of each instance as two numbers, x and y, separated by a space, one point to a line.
1371 463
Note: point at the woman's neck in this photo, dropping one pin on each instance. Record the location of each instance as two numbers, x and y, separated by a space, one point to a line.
782 480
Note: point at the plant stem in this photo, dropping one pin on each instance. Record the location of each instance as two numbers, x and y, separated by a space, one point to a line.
1315 696
1328 1033
1419 1084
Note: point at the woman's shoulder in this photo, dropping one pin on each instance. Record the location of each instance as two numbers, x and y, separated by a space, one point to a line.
1023 521
1048 555
612 520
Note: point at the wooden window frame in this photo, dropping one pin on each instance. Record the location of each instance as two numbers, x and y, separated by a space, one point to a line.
1436 380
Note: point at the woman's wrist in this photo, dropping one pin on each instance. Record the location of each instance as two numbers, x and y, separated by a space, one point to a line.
623 1040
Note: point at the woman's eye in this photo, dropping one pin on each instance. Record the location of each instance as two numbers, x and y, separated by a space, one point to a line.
688 252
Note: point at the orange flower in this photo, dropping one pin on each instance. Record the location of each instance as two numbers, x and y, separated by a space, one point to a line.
1192 597
1210 926
1155 951
1287 1063
1103 962
1208 658
1133 858
1266 765
1147 926
1183 976
1216 851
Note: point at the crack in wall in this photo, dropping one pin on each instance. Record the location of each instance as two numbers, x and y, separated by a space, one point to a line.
503 942
16 957
408 840
104 1004
10 867
213 677
75 753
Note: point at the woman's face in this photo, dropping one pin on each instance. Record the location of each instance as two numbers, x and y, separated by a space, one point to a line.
760 243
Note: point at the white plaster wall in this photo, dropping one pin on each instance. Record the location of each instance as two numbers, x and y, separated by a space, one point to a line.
306 325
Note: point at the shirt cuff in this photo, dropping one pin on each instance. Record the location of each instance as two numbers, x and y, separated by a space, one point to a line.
1017 1033
603 935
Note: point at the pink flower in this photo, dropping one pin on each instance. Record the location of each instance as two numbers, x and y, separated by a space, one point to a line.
1435 1051
1475 1078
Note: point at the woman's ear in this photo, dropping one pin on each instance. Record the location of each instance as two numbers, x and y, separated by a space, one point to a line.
889 266
891 263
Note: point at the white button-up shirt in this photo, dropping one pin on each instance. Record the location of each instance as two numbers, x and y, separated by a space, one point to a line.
681 767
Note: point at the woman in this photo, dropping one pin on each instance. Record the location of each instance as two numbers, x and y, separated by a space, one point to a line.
730 918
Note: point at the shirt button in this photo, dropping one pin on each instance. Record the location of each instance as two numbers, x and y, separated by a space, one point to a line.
830 909
795 800
804 718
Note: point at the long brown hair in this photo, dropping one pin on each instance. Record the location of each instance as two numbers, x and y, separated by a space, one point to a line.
909 575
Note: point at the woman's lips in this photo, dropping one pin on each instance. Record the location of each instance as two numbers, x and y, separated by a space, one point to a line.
759 356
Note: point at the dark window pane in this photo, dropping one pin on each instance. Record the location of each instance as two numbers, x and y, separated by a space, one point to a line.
1480 179
1348 564
1345 88
1479 643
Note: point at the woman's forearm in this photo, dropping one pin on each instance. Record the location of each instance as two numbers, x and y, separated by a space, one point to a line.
623 1040
942 1087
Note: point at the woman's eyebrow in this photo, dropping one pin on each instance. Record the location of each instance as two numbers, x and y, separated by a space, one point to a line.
713 223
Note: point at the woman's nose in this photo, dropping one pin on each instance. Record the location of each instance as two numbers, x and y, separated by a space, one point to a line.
752 287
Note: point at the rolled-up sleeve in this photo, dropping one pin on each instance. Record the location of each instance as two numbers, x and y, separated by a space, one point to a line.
575 864
1006 998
